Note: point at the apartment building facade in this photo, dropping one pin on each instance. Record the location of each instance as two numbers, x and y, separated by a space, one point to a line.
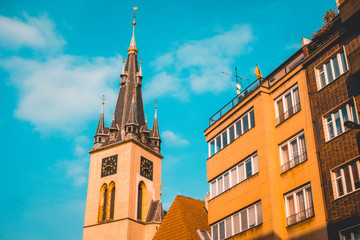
262 169
333 71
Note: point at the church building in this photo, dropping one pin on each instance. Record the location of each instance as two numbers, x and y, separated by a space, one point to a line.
124 186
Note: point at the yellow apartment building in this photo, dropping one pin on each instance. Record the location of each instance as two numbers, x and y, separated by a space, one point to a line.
262 169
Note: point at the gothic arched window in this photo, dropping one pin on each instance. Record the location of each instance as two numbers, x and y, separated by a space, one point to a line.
102 205
112 199
141 201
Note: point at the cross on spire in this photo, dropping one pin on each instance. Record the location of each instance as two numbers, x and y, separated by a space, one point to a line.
103 98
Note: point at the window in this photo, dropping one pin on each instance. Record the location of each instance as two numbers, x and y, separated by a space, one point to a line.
235 175
112 200
238 222
346 178
141 201
244 124
352 233
334 122
287 104
299 205
331 70
293 152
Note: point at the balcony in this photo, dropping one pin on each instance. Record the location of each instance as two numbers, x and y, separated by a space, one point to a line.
281 118
235 101
294 161
300 216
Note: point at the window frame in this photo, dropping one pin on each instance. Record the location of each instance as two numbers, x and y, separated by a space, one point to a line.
296 106
323 64
214 150
302 153
307 206
351 229
342 178
253 159
351 112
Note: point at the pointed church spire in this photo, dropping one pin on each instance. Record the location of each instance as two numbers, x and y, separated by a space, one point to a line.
140 69
100 127
155 130
113 124
123 68
133 42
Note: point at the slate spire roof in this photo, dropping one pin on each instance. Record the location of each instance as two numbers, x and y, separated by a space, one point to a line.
100 127
129 108
155 129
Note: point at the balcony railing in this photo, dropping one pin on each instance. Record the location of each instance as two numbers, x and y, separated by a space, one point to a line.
288 113
300 216
238 99
330 14
302 157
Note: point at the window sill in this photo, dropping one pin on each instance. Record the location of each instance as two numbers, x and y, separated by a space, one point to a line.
326 141
347 194
294 167
319 89
233 186
289 226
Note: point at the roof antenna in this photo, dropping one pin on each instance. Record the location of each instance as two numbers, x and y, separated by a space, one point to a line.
237 79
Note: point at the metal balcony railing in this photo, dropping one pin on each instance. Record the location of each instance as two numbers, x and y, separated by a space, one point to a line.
302 157
238 99
330 14
300 216
288 113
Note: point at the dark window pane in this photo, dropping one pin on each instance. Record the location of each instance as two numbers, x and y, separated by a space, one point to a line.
112 205
343 61
248 169
344 114
338 123
224 138
246 123
339 183
215 232
355 174
347 179
218 143
259 213
232 133
222 230
328 72
244 222
354 114
336 67
252 119
104 206
238 128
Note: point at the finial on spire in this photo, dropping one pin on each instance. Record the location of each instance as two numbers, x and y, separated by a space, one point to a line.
103 99
156 102
133 42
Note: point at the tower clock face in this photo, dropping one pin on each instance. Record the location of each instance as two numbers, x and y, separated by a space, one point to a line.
109 166
146 168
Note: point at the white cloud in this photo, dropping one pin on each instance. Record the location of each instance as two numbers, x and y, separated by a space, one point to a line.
195 65
61 93
173 139
38 33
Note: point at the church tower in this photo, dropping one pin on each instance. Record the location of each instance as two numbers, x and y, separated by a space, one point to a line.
123 197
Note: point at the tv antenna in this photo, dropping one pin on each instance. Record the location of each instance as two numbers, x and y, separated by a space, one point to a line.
237 78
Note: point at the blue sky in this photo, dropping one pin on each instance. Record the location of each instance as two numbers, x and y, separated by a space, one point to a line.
58 57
